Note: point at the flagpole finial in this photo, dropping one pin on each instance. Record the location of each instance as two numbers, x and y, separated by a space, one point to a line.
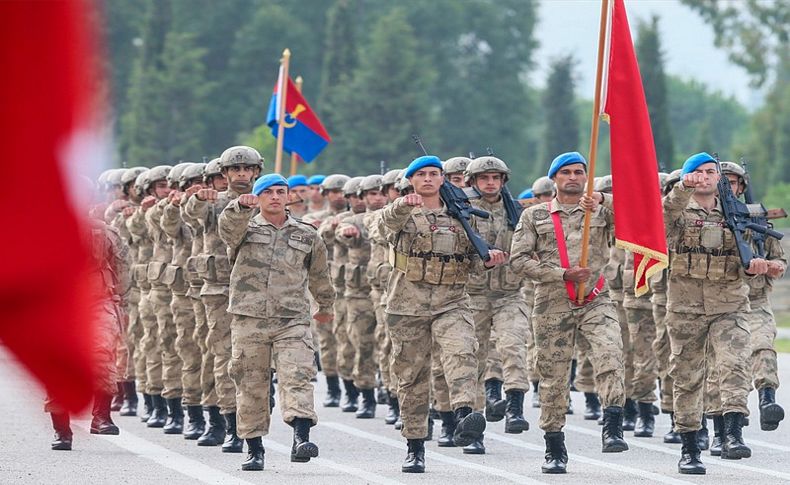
287 52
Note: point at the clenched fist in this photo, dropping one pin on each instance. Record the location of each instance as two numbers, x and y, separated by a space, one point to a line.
248 200
174 198
323 317
497 257
192 190
577 274
148 202
413 200
591 203
693 180
208 195
128 211
757 266
350 231
119 205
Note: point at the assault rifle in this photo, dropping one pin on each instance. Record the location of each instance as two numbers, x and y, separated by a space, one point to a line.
738 218
513 208
759 214
459 208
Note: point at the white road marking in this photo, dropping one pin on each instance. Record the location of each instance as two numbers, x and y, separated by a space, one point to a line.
654 477
766 444
432 455
711 460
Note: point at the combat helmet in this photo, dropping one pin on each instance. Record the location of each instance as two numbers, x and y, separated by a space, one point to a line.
351 186
403 184
662 179
390 178
213 168
115 176
193 171
160 172
241 155
174 176
371 182
455 165
334 182
603 184
487 163
672 179
131 174
733 168
543 186
140 182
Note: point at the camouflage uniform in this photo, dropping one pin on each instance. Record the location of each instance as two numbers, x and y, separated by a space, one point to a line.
494 362
379 270
557 322
272 270
707 304
642 331
661 347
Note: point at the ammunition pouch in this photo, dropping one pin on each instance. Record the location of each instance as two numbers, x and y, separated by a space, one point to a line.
155 272
434 269
213 269
703 263
173 276
191 273
140 273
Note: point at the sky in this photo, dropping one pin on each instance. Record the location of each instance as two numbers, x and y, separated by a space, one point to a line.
571 26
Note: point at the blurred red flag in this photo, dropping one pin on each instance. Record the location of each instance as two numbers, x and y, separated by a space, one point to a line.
47 94
639 217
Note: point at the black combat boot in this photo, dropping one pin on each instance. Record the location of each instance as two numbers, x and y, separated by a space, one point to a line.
703 438
429 436
629 415
572 379
556 454
255 451
672 436
514 415
215 434
129 406
148 407
352 396
175 417
770 412
592 406
197 423
476 447
63 434
415 457
117 398
232 444
382 396
690 463
102 421
302 449
732 446
158 412
333 392
645 422
368 409
718 435
448 429
272 393
612 432
495 405
470 426
535 394
393 413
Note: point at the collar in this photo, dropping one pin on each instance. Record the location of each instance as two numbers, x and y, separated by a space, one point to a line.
261 221
694 205
557 207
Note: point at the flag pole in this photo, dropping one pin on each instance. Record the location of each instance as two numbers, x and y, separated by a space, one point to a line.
282 92
593 142
294 156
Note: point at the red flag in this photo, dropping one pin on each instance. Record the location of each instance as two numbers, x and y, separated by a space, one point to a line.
639 219
46 92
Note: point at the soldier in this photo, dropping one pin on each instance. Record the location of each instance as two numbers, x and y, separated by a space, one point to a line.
299 191
360 312
707 305
544 189
454 170
276 260
241 165
332 191
539 252
427 302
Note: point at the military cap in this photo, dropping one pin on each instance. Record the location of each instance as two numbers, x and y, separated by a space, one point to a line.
297 181
315 179
564 159
422 162
693 162
268 180
526 194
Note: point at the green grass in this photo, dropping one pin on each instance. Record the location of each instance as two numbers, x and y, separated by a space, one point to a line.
782 345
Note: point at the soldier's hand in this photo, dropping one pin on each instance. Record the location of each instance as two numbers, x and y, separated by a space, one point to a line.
413 200
128 211
775 269
248 200
174 198
192 190
118 205
693 180
148 202
335 222
350 231
591 203
323 317
757 266
577 274
497 257
208 195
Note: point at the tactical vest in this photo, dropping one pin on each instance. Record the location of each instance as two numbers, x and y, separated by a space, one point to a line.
705 250
435 253
499 278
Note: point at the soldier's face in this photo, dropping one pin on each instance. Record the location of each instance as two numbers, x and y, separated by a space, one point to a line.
735 184
336 199
489 183
711 174
392 193
570 179
240 177
457 179
219 183
375 199
118 192
195 182
544 197
356 203
302 192
161 189
315 195
426 181
272 200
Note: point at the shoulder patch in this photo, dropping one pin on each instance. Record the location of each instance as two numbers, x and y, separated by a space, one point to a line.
540 214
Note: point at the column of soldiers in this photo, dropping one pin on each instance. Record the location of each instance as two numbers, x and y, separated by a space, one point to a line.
237 276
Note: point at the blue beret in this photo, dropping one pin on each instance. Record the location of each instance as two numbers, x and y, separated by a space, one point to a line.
526 194
296 181
422 162
316 180
693 162
566 159
267 181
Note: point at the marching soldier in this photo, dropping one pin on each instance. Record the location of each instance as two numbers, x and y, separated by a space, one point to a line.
316 198
276 260
299 191
454 170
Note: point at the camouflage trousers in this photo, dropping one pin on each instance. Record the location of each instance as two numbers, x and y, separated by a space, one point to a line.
555 335
662 351
125 352
187 349
383 345
161 297
494 361
724 341
763 329
585 373
327 348
257 344
134 336
361 324
218 341
440 392
208 395
642 330
149 344
412 338
345 350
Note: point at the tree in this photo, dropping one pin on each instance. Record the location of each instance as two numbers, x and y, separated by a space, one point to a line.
651 67
559 104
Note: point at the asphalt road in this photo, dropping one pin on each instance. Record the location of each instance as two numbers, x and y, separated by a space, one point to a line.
354 451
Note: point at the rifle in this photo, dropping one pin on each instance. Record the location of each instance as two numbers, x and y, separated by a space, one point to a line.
513 208
456 201
738 218
759 214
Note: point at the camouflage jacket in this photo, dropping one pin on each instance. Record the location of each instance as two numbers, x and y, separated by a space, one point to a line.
358 250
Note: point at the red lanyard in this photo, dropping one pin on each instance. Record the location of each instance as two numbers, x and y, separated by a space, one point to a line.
562 249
